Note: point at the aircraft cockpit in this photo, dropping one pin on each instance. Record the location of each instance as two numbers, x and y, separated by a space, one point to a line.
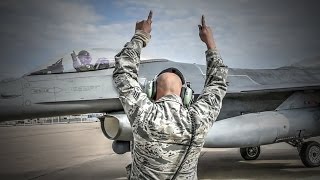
78 61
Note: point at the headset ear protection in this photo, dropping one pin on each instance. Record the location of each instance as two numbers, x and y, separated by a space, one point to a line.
186 91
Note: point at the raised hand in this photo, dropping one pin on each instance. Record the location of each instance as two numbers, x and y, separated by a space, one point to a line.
145 25
205 34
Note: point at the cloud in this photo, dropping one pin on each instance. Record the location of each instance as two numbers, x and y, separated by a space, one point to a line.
249 34
35 31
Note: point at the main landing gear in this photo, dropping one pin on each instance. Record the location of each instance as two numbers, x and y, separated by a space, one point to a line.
309 152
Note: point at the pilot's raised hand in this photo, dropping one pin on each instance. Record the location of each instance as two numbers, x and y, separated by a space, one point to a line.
145 25
205 34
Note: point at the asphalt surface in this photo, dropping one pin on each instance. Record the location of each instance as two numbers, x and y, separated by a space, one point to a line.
80 151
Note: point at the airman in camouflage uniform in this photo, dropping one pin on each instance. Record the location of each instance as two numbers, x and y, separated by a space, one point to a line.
162 129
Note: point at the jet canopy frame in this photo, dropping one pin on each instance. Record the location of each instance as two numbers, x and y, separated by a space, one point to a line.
77 61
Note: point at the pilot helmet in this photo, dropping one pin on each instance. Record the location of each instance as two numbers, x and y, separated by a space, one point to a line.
84 57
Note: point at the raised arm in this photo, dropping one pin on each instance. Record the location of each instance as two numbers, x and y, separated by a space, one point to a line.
209 102
125 74
75 61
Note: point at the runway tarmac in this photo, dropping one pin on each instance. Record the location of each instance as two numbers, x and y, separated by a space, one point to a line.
80 151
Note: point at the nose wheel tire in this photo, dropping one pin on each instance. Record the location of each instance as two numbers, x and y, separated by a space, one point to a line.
250 153
310 154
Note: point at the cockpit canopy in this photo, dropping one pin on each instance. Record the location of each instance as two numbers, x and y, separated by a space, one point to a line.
78 61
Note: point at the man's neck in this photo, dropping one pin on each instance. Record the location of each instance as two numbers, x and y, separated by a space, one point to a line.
160 95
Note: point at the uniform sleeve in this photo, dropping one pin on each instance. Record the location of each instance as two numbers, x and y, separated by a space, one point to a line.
209 103
125 76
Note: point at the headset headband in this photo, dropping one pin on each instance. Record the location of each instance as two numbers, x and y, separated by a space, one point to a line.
175 71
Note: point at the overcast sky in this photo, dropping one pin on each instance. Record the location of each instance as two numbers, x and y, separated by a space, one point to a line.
248 33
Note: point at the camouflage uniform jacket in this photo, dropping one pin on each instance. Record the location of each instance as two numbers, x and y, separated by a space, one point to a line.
162 129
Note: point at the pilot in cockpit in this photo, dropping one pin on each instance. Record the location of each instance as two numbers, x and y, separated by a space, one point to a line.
82 62
85 61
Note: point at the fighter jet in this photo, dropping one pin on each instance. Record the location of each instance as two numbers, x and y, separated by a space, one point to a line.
262 106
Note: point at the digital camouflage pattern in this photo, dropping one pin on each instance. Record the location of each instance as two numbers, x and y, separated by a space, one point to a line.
162 129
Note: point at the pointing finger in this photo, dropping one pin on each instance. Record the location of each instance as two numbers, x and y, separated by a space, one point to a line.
150 16
203 22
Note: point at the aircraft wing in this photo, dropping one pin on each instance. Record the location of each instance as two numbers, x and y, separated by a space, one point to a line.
274 88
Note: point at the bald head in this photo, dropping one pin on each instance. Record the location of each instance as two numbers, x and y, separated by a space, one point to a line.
168 83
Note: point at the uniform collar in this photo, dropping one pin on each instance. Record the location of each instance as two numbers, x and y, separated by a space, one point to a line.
170 97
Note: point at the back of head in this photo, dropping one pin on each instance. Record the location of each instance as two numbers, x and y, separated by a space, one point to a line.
168 83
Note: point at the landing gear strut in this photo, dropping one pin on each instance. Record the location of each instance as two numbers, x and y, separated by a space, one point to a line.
250 153
309 152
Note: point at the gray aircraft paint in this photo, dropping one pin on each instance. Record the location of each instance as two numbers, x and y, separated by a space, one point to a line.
250 91
247 130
